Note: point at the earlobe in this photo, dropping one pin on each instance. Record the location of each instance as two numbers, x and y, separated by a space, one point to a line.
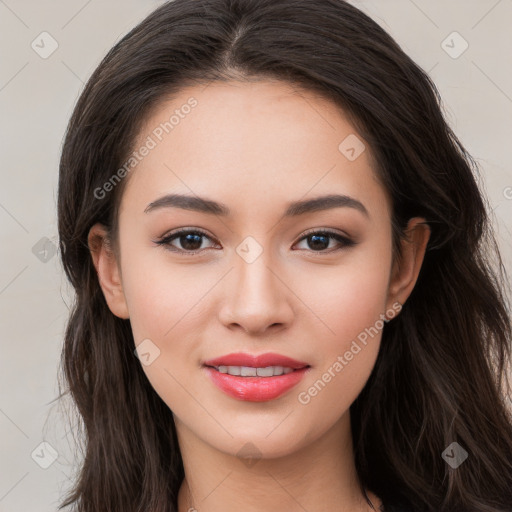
107 269
406 270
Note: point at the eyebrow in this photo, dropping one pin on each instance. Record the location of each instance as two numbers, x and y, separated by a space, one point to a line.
294 209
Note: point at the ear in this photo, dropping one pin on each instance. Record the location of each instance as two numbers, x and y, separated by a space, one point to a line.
407 268
107 268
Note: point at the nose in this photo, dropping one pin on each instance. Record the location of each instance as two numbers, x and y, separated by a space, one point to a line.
258 300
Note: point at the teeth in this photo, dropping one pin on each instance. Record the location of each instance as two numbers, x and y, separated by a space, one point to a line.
248 371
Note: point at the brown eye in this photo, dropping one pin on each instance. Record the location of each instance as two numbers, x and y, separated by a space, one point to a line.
189 240
318 241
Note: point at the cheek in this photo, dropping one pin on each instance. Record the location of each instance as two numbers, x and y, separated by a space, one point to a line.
166 309
359 302
351 297
168 305
162 296
346 355
152 304
349 303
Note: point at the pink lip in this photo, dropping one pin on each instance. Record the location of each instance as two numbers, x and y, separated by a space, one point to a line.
260 361
255 389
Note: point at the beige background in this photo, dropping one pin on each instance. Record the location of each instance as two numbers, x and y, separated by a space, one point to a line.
36 98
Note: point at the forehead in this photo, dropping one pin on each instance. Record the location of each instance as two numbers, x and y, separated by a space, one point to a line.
250 145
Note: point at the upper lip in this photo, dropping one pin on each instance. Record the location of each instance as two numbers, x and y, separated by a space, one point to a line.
256 361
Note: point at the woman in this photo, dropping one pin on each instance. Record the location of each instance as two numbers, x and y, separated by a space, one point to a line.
282 260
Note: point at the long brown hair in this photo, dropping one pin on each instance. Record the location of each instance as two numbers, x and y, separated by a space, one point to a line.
441 373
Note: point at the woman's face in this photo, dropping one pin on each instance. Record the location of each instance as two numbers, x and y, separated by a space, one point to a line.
256 279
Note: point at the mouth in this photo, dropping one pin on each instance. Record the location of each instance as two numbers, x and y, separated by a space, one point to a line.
255 378
250 371
248 363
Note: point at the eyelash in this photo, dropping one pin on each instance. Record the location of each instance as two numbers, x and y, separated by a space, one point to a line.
165 240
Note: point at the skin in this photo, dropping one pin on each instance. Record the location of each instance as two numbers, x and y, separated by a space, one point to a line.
256 147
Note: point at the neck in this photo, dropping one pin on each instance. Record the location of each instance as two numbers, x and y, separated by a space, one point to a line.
321 471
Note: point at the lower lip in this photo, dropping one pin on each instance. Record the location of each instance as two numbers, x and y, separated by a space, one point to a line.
255 389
